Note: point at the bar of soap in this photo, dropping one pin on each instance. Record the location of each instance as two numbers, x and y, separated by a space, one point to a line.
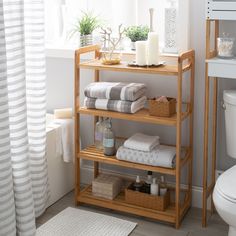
65 113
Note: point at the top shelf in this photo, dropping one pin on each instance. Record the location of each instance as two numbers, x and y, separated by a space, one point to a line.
222 68
123 67
221 9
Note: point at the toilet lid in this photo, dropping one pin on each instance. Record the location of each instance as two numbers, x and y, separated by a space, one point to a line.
226 184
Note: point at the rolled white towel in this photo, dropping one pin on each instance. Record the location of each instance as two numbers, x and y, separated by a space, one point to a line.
64 113
142 142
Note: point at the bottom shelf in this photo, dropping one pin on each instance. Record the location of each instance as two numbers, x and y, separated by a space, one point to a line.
119 204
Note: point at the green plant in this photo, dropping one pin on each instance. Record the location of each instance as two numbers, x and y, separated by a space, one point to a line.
87 24
136 33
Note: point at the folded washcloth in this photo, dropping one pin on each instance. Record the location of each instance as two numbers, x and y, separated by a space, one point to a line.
162 155
142 142
115 91
64 138
115 105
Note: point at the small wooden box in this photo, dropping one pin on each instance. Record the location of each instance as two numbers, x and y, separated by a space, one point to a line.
106 186
162 109
146 200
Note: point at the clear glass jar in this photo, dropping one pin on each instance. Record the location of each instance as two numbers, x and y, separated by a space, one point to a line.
109 140
225 47
99 134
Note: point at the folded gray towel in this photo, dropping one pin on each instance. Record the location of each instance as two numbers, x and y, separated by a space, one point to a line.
115 91
115 105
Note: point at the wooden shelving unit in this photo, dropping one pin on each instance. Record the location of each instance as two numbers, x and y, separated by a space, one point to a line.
216 68
181 64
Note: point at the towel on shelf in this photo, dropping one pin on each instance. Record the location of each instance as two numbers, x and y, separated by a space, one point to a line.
115 91
64 138
63 113
142 142
115 105
162 155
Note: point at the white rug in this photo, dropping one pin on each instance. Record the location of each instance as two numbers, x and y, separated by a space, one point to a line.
75 222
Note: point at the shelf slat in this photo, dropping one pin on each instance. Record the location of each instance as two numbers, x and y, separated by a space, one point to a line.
119 204
222 68
123 67
93 154
140 116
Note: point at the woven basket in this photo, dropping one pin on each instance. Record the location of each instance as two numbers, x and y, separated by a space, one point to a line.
162 109
146 200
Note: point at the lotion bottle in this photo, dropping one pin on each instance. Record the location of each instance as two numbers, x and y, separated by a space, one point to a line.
154 187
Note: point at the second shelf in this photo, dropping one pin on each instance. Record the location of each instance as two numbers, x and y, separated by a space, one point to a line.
140 116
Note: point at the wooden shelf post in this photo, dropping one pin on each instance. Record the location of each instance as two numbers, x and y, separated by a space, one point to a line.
208 189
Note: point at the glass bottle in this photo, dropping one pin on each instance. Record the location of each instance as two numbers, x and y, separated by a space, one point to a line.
163 186
99 134
137 184
148 182
109 139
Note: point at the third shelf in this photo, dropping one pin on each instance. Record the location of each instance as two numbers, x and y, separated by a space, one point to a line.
93 154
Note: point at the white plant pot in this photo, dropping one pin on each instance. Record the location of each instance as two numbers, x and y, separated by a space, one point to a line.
86 40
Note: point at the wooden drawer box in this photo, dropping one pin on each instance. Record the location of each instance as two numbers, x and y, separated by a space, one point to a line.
146 200
106 186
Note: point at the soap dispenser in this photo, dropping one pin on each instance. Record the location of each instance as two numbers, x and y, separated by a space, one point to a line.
137 185
109 140
154 187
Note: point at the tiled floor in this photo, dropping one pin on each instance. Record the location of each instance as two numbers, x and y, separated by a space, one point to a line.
191 226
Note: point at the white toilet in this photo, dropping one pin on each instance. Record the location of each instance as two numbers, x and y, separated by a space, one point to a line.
224 195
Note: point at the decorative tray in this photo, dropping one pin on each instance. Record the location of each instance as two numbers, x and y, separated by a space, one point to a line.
133 64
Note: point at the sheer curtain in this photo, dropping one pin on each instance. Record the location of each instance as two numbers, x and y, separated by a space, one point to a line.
23 169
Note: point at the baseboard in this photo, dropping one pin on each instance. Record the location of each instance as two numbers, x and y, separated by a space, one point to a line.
87 177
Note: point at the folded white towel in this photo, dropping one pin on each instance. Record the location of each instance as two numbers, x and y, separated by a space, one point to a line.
64 138
142 142
162 155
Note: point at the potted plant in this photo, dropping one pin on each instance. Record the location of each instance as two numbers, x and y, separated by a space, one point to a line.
137 33
85 27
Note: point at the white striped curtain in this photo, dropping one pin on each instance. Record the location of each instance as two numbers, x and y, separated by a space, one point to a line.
23 169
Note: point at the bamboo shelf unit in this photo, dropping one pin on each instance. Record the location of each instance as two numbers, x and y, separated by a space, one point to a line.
216 68
176 211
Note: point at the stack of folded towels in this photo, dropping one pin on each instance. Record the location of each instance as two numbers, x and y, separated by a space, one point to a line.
145 149
120 97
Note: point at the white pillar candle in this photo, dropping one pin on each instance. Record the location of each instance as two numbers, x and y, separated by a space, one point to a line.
141 53
153 49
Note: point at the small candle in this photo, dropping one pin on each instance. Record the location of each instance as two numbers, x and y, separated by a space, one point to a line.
141 53
153 49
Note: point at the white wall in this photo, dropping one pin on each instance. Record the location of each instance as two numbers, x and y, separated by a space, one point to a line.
60 94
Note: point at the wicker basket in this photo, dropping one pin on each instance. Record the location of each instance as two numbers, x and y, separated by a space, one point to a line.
162 109
146 200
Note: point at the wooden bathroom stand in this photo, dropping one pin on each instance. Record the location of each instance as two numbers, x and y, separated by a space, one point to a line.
178 66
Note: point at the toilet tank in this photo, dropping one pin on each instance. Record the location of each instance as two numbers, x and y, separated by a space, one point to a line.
230 121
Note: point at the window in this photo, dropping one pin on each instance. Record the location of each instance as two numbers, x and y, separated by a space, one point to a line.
62 14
